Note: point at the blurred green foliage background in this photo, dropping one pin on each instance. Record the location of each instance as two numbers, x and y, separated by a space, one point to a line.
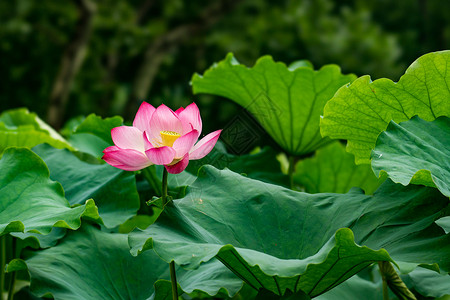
62 59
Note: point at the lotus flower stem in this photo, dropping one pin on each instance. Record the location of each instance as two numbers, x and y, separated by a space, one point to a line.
164 186
12 281
173 279
2 264
291 171
173 276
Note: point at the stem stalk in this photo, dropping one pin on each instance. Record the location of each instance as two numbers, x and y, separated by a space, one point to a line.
164 186
392 280
12 281
173 276
173 279
2 264
291 170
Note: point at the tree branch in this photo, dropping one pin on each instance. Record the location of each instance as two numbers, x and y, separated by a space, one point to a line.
143 10
71 62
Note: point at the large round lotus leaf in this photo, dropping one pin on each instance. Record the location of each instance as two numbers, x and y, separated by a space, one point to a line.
287 102
113 190
428 283
353 288
30 201
415 151
90 264
361 111
20 128
333 170
279 239
93 134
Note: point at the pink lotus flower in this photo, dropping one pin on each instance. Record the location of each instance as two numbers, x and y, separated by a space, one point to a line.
162 137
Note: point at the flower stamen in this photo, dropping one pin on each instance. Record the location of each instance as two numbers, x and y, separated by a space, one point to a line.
169 137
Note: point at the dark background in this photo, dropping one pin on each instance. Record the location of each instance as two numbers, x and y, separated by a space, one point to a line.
63 59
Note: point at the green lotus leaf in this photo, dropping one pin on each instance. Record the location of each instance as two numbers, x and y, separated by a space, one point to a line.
20 128
369 283
36 240
261 164
21 116
97 126
361 111
444 223
69 127
113 190
353 288
333 170
268 295
287 102
415 151
110 271
137 221
428 283
277 239
402 221
93 135
30 201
